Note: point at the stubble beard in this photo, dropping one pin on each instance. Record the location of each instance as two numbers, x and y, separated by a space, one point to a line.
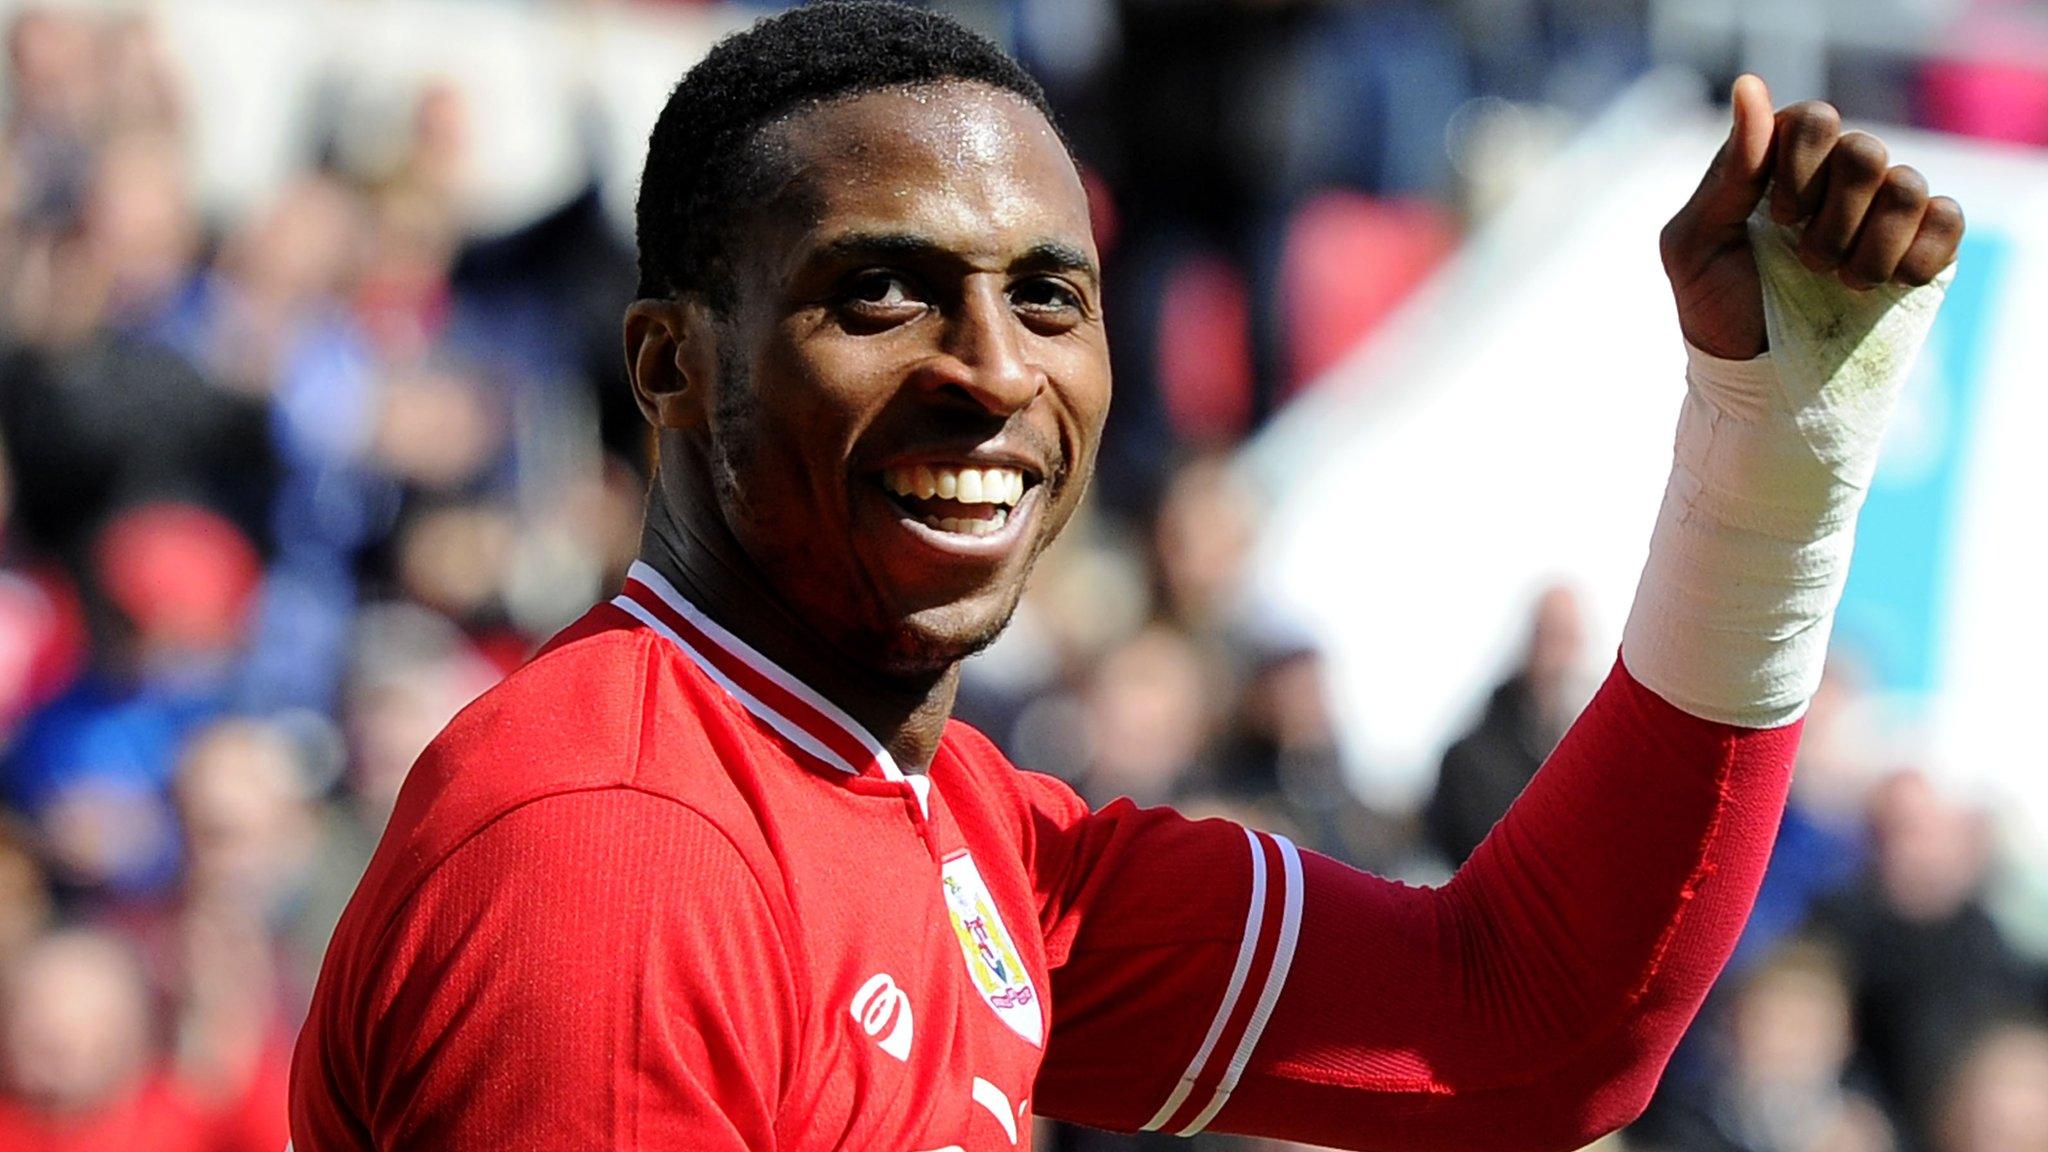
913 653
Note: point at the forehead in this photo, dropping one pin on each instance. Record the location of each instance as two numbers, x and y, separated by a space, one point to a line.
975 168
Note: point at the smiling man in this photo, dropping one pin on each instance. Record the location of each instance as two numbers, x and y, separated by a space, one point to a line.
717 871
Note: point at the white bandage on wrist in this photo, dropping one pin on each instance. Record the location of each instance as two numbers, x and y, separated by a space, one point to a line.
1773 457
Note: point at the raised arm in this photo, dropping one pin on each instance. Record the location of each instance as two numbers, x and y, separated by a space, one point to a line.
1532 1002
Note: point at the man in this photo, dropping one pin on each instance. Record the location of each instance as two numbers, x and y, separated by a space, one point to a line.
78 1071
1524 718
715 871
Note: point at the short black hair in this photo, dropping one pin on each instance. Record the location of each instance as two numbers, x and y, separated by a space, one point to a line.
702 158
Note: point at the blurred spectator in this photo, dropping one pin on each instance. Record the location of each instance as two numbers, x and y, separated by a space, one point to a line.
52 108
120 420
181 580
1281 736
243 928
43 640
1927 963
25 908
1151 710
93 768
1201 536
402 295
248 823
437 159
436 431
1219 117
410 671
1997 1101
141 85
1820 845
78 1073
141 238
576 547
1279 749
231 1033
270 310
1088 593
1526 715
99 408
1786 1088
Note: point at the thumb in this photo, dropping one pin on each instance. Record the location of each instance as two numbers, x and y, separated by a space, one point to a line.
1741 169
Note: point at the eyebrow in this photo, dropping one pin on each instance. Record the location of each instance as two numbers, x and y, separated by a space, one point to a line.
1043 256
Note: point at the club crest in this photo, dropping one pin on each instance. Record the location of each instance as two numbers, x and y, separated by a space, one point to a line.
992 961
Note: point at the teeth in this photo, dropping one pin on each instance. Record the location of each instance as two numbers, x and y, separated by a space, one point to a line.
968 526
1003 487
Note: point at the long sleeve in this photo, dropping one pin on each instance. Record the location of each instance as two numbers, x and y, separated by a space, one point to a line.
1530 1003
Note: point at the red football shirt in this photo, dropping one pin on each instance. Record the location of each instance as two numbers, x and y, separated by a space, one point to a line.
652 892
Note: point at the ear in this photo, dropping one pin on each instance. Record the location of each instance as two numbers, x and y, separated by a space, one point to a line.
671 358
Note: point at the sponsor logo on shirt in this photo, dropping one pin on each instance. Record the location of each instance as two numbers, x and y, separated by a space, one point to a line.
992 961
883 1012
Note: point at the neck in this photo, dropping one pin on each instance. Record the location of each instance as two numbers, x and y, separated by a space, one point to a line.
697 555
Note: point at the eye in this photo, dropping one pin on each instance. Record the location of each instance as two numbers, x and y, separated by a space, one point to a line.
1048 300
879 291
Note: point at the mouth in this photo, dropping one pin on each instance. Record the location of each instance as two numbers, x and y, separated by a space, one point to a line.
962 507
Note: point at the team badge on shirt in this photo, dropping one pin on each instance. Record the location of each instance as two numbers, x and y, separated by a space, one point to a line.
992 961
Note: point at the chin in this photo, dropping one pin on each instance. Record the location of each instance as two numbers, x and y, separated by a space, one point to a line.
927 644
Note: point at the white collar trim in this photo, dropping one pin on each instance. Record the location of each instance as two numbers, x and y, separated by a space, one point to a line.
788 705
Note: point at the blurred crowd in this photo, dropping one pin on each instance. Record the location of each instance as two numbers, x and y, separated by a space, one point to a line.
281 489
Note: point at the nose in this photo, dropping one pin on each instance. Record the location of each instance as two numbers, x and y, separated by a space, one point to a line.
985 354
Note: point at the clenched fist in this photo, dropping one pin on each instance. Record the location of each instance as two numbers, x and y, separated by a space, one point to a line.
1855 215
